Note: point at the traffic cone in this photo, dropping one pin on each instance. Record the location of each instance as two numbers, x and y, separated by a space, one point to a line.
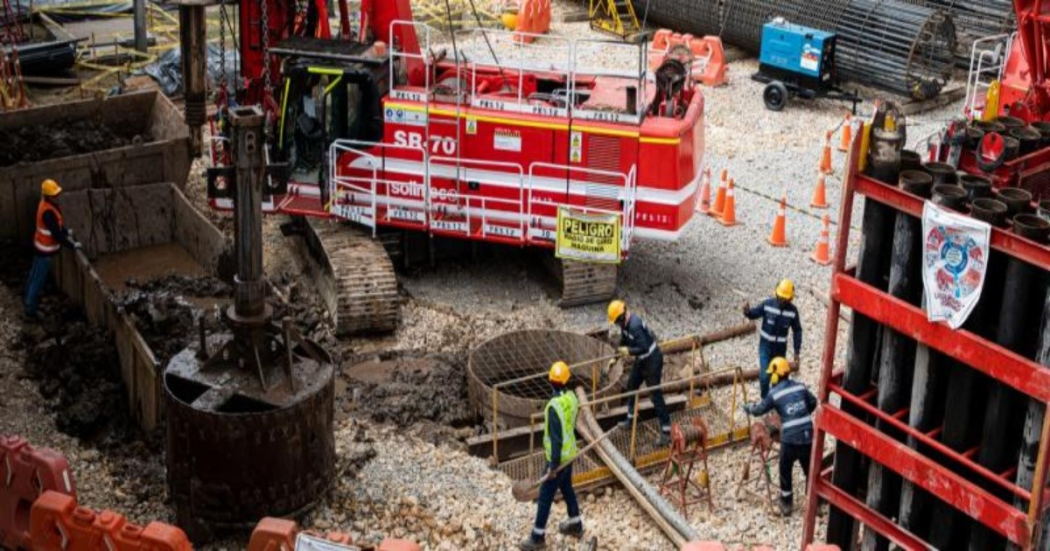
720 197
704 206
825 158
821 254
729 213
779 238
820 199
847 133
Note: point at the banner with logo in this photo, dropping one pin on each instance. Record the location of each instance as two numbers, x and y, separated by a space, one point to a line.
588 237
955 259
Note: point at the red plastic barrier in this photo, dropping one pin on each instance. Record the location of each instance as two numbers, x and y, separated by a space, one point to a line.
58 524
25 474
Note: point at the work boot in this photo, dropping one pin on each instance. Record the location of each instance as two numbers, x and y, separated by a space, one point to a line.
625 424
785 508
570 528
665 438
529 544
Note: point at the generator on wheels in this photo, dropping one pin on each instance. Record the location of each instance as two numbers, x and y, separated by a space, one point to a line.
797 61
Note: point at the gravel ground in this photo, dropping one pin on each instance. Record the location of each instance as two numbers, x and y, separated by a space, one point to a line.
440 496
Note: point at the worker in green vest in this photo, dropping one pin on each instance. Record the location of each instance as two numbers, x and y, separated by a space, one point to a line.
559 448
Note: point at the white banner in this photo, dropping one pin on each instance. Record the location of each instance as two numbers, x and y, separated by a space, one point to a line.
955 259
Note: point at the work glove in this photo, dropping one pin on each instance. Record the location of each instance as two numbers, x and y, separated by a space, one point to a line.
746 309
77 245
746 408
623 351
795 363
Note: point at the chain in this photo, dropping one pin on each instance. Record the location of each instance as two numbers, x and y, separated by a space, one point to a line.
223 17
266 47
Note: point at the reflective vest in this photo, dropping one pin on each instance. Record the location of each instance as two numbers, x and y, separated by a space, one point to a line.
565 405
43 240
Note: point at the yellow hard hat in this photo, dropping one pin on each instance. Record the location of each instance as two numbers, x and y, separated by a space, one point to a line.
778 368
559 373
785 289
616 309
50 188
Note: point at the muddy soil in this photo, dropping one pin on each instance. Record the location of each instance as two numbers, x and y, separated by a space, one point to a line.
34 143
166 310
407 389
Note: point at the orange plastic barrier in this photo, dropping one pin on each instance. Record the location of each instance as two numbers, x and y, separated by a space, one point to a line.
58 524
534 17
709 48
25 474
276 534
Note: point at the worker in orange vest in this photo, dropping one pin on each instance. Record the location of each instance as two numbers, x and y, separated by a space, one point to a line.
51 235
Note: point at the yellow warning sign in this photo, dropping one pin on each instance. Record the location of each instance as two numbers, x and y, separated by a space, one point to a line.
588 237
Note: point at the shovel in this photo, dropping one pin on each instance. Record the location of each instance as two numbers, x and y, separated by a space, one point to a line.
524 490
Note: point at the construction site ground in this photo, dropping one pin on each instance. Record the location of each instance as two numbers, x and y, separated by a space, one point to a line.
402 409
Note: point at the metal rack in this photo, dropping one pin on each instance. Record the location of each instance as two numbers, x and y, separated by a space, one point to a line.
951 475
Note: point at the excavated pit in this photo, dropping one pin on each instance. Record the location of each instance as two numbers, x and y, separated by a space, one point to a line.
520 354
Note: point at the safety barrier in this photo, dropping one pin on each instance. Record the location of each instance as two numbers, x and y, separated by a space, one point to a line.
58 523
25 474
276 534
717 546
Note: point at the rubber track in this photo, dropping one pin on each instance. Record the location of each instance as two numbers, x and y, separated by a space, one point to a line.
586 283
357 279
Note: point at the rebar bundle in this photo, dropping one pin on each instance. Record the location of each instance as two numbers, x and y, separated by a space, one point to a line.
975 19
889 44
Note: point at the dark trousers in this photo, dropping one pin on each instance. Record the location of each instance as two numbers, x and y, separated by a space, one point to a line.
789 454
766 353
562 481
37 280
651 370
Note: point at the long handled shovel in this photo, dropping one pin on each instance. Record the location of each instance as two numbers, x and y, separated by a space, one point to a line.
524 490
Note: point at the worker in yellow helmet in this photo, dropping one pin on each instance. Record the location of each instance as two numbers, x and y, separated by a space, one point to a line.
559 448
638 341
779 316
795 405
50 236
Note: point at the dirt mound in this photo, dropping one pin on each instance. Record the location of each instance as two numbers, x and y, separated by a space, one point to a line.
408 389
77 370
34 143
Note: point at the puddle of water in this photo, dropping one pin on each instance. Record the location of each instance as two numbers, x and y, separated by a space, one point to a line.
147 264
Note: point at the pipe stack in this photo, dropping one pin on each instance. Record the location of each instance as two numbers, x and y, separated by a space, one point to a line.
889 44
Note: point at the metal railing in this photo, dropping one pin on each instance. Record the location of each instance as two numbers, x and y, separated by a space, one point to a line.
987 61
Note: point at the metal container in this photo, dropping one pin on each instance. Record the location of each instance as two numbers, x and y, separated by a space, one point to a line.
1011 148
1028 138
1017 200
943 173
911 160
164 157
1032 227
953 197
916 182
1010 122
1043 209
1043 127
976 187
989 210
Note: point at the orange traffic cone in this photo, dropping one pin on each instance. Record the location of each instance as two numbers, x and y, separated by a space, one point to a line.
847 133
704 205
825 159
779 238
729 213
821 255
720 197
820 198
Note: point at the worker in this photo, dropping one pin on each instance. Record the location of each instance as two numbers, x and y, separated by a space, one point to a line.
637 340
778 316
51 235
795 405
559 450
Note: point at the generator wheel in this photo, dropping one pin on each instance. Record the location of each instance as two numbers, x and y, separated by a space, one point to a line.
775 95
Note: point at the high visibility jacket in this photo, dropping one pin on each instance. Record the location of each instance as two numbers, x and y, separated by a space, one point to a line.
559 431
777 319
44 239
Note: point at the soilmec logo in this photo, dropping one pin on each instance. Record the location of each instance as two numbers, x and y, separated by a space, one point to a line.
955 260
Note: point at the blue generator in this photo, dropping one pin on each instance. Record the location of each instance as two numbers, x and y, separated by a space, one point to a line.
797 61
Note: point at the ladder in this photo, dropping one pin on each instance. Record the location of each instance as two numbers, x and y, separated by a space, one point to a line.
615 17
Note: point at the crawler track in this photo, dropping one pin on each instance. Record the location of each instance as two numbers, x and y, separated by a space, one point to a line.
585 283
355 277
